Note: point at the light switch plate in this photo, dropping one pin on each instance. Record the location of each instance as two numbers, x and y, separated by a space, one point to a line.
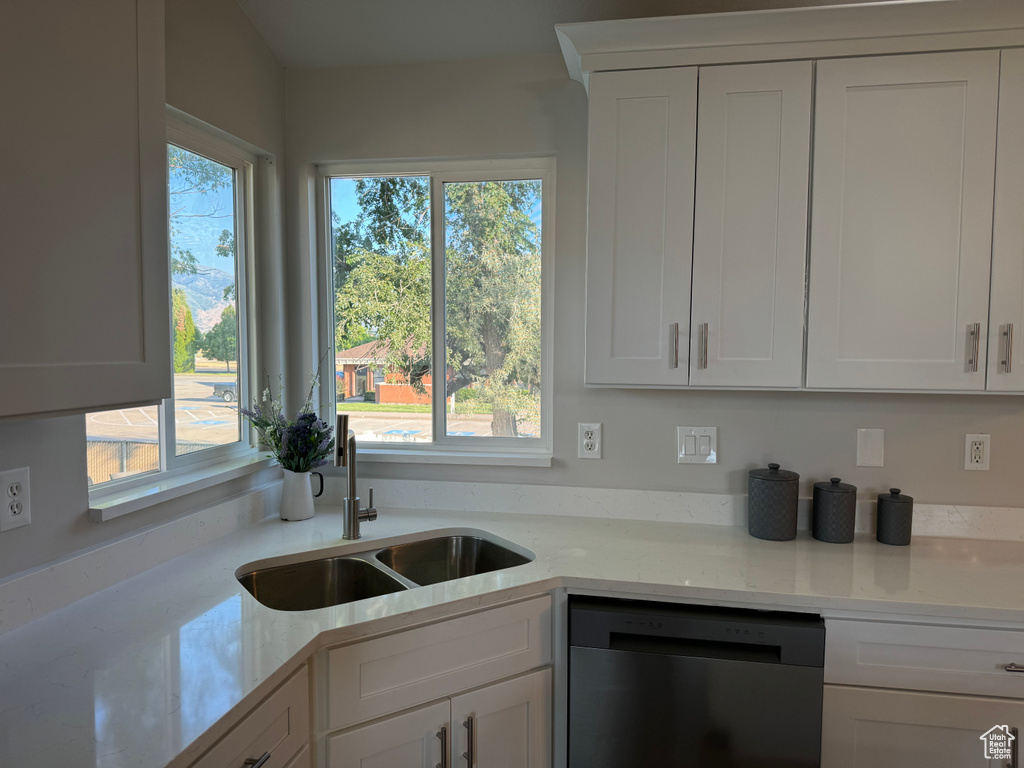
870 447
697 445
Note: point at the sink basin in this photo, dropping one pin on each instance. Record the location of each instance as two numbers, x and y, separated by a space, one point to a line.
318 583
448 557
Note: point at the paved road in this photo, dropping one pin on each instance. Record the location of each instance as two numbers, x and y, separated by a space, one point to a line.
202 418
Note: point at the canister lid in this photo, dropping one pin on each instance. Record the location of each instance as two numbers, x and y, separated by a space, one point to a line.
835 485
774 473
894 497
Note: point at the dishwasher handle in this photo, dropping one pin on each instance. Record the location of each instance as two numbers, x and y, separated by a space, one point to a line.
700 649
713 632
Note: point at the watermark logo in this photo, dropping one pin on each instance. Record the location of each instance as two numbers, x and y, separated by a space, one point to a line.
998 742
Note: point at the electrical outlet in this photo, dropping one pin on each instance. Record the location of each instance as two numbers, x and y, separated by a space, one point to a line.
976 451
590 441
15 509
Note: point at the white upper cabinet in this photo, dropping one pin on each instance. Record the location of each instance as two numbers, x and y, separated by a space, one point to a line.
640 226
1006 321
750 225
84 319
901 228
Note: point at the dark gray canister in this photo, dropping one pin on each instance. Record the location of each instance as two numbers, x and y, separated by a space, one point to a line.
834 511
895 518
771 503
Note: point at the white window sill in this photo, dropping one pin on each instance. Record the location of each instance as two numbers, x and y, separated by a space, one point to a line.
476 457
106 504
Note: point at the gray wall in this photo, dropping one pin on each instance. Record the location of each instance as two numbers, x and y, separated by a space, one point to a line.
220 71
523 106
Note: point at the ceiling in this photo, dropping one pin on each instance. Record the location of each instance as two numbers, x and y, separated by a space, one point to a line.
337 33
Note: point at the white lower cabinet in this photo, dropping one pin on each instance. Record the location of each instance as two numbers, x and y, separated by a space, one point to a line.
410 740
276 732
880 728
504 725
473 691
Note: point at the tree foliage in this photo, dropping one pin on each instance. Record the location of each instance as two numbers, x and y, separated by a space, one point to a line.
189 175
221 341
492 286
184 333
382 274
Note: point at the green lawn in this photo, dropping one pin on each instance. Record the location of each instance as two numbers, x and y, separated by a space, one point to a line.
378 408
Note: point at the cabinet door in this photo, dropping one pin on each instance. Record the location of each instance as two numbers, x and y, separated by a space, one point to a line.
510 721
901 231
410 740
1006 322
878 728
750 225
640 226
83 206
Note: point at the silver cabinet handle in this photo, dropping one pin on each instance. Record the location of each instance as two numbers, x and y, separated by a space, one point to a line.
443 736
468 754
974 336
256 762
673 345
702 362
1008 349
1011 667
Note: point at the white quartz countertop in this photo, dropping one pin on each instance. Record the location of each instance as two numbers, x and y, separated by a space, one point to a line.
140 673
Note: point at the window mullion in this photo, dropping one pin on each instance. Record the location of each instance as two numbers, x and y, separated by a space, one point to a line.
439 362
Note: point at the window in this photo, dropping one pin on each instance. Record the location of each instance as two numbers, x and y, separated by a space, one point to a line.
439 285
209 187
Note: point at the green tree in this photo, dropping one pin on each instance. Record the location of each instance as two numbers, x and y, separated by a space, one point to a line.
184 333
492 286
221 341
382 274
492 296
190 174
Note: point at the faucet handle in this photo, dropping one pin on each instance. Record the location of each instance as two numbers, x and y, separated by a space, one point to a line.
370 513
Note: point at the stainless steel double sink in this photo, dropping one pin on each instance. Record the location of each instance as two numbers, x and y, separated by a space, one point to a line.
337 579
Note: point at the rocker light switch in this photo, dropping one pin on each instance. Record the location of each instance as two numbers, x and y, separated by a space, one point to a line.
697 445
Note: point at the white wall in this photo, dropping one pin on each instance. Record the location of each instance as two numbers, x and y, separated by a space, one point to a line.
220 71
503 107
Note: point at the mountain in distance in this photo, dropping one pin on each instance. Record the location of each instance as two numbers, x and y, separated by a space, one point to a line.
205 294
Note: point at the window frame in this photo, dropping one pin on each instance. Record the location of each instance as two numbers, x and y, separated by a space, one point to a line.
244 163
445 448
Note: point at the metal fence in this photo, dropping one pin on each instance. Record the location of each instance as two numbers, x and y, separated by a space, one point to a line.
111 458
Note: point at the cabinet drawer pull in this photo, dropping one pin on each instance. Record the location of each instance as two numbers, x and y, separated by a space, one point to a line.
702 363
1008 347
974 336
673 345
256 762
468 754
443 736
1012 667
1015 747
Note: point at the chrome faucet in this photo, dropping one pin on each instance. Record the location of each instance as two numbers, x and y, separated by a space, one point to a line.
345 456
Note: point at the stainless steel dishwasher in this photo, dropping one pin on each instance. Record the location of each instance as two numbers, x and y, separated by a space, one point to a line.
661 685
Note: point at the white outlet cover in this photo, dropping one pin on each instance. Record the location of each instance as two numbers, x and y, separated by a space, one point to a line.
870 447
589 441
969 441
696 445
15 510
